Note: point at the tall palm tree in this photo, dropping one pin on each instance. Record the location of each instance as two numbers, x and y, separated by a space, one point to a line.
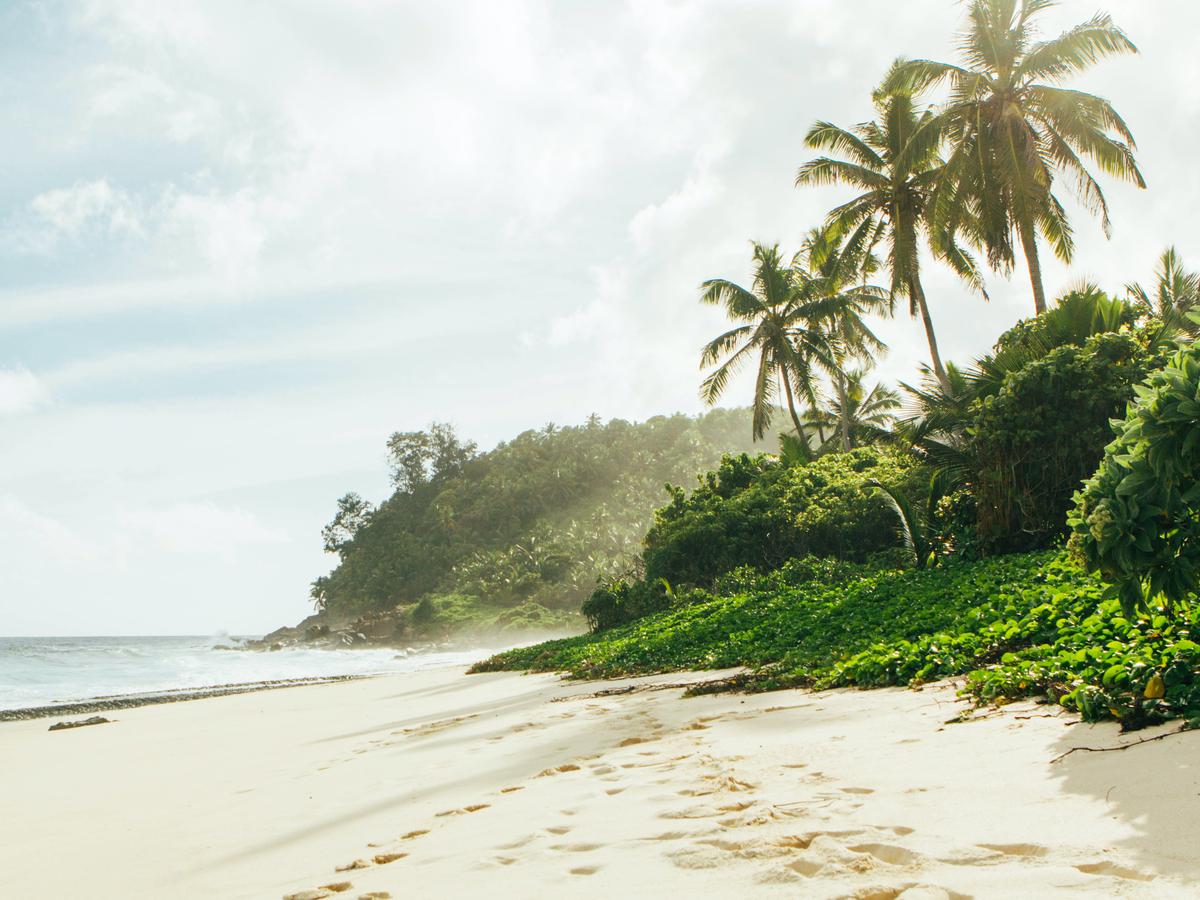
1013 131
776 323
1176 293
802 319
833 265
857 415
895 178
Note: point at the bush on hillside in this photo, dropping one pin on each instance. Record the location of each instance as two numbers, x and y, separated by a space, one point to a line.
1044 431
1137 520
1018 625
757 512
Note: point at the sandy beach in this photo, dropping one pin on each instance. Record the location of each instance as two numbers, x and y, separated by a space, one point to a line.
437 784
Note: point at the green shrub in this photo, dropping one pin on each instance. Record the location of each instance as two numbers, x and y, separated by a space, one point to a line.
623 601
1137 520
753 511
1021 625
1044 431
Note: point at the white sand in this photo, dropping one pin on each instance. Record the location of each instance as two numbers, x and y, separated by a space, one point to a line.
525 786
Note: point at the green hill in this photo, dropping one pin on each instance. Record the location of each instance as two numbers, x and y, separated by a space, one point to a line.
514 538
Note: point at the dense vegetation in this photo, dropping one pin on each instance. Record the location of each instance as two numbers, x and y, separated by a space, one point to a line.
1017 625
878 550
514 538
897 536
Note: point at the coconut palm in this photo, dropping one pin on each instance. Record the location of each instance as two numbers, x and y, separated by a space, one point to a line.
776 324
803 319
895 178
1176 292
1013 131
856 415
834 267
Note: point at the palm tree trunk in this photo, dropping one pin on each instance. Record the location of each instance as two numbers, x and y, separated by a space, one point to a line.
918 293
844 418
791 401
1029 243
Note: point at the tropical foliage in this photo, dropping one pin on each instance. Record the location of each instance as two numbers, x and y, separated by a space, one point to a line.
1017 625
895 165
1137 520
535 521
754 511
881 544
1014 133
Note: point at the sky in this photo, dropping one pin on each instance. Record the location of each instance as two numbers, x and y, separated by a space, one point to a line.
241 244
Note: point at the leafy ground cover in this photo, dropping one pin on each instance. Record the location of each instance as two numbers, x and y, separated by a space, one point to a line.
1020 625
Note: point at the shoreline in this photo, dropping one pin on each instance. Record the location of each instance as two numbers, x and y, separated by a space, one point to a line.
504 784
109 702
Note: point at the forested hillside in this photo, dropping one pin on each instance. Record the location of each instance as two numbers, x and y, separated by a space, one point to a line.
516 537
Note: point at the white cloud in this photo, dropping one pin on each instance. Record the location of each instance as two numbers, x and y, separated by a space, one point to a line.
69 211
20 391
197 528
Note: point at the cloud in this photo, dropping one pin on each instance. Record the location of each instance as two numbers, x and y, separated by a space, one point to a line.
20 391
244 242
197 528
69 212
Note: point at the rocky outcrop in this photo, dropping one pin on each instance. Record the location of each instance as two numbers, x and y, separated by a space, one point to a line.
388 628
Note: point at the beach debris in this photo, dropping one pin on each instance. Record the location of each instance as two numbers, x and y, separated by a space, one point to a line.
382 859
79 723
357 864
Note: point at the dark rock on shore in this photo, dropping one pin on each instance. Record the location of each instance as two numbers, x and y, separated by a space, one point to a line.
79 723
389 628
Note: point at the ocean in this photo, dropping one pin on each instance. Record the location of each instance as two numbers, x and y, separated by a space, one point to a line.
38 671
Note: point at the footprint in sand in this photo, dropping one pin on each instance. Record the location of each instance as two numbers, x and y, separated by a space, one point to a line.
585 870
382 859
559 829
509 790
519 842
576 848
905 892
1024 850
1109 868
474 807
889 853
565 767
414 834
857 790
375 895
357 864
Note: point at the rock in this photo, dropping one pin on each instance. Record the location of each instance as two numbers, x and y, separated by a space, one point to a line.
315 632
79 723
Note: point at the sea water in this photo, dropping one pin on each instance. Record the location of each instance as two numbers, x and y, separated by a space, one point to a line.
43 671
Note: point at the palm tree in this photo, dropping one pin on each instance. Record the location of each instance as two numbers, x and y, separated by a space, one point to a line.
896 178
857 415
776 323
1013 131
834 267
1176 293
